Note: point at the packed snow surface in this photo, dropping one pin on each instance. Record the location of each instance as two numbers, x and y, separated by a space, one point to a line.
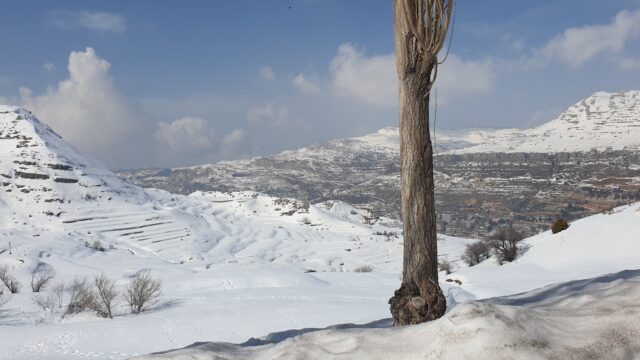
236 266
588 319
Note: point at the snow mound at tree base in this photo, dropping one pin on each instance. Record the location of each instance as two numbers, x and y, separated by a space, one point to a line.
597 318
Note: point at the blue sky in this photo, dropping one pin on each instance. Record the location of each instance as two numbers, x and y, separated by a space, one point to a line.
167 83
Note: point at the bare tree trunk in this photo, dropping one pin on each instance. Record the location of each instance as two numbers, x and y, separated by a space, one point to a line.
419 298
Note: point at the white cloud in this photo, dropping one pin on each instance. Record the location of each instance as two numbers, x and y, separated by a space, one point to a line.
627 63
305 85
267 73
104 22
578 45
458 78
184 134
86 109
233 139
371 80
269 114
49 66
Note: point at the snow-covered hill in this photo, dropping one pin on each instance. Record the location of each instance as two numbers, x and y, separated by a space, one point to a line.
39 168
576 318
233 265
226 255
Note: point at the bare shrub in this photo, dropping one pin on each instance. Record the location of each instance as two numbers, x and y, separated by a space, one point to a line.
505 242
364 269
57 290
40 277
476 252
142 292
446 266
96 245
104 296
4 298
559 225
80 296
8 280
46 301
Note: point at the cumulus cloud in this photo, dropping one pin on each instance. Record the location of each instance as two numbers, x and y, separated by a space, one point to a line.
305 85
48 66
373 80
269 114
87 109
233 139
267 73
578 45
184 134
103 22
458 78
627 63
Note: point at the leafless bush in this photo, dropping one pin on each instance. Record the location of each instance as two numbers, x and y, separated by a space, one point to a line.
142 292
80 295
57 290
505 242
476 252
40 277
4 298
104 296
96 245
364 269
46 301
446 266
559 225
8 280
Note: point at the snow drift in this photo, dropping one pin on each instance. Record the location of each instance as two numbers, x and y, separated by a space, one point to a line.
589 319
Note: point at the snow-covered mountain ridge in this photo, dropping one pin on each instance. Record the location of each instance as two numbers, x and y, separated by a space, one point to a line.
599 122
501 176
602 121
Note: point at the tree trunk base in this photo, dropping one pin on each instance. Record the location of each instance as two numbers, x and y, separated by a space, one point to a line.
413 304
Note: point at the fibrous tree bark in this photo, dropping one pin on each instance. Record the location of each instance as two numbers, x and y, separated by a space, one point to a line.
421 28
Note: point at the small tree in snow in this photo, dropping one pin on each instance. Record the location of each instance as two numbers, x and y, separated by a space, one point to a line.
505 242
476 252
104 296
57 290
80 296
445 265
40 277
46 301
4 298
8 280
142 292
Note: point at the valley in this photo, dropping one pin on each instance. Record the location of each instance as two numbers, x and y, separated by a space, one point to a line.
483 178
